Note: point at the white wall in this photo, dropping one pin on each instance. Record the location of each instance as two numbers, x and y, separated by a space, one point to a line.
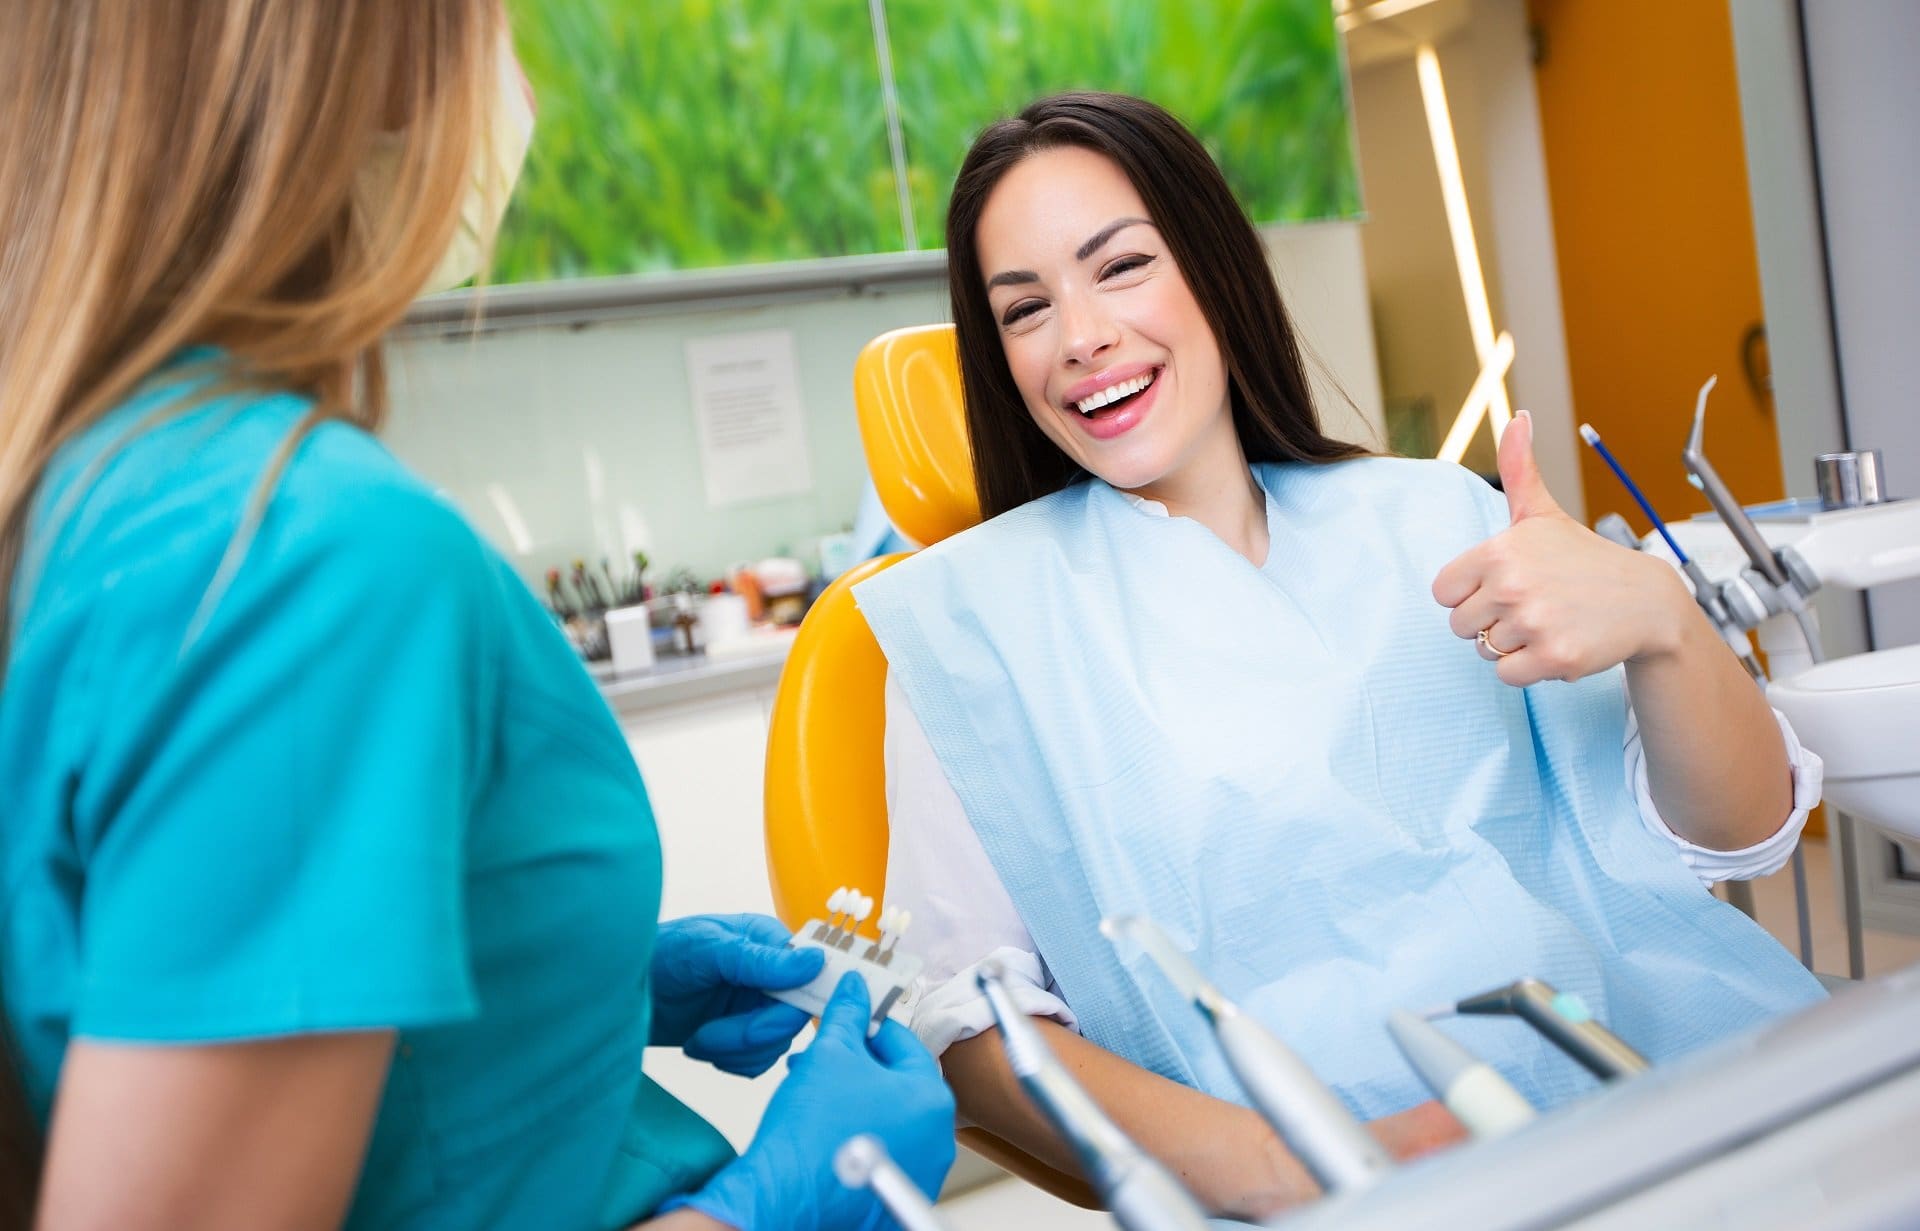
1323 278
1866 121
587 432
1521 216
1426 346
1793 273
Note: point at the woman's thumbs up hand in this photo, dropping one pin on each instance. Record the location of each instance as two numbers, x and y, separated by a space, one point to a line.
1548 599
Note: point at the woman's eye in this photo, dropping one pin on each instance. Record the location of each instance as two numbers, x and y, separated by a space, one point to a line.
1126 265
1020 311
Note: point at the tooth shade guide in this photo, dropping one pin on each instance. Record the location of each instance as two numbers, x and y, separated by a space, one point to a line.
889 974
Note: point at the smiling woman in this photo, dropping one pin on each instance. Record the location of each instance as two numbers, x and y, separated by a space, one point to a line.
1199 664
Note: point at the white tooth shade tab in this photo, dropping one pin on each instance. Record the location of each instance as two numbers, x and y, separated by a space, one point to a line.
1113 393
862 908
837 900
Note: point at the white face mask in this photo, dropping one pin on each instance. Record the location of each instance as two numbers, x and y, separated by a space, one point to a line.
502 151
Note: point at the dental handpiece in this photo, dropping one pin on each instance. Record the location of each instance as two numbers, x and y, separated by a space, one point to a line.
1327 1139
1466 1085
862 1162
1139 1193
1708 480
1565 1021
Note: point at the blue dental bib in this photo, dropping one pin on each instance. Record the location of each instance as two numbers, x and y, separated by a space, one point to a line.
1299 770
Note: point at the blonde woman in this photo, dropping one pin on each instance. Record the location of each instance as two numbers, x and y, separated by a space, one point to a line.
330 887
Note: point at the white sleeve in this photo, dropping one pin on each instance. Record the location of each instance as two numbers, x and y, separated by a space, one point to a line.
1762 858
962 914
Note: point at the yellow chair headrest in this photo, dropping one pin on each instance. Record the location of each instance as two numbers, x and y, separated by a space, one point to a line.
906 389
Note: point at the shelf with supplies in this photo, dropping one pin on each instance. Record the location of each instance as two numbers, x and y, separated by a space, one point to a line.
750 662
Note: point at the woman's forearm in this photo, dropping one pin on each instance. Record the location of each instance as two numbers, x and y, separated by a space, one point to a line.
1225 1154
1716 764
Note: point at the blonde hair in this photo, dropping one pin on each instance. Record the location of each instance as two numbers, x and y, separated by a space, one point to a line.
182 172
176 172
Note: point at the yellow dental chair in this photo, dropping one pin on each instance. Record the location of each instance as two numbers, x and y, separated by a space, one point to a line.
826 804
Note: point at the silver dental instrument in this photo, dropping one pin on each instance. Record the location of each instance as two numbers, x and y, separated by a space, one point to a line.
862 1162
1139 1192
1466 1085
1708 480
1565 1021
1332 1144
1781 587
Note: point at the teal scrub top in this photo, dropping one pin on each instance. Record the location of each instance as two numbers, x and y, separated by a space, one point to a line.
356 779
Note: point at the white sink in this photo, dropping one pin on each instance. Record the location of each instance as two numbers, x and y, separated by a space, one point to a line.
1862 715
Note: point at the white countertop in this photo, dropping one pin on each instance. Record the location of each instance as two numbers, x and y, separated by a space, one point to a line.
755 663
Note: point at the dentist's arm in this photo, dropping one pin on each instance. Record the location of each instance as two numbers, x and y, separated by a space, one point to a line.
239 1135
1225 1154
1563 603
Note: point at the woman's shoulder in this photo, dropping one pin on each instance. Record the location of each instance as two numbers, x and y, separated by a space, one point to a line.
974 564
1046 519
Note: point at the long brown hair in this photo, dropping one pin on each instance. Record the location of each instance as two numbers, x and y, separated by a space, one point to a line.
1213 243
182 171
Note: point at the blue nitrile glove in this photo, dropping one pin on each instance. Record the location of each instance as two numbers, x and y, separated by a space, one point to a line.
708 972
842 1085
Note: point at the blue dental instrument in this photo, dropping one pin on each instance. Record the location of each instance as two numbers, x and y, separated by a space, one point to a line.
1704 592
1633 489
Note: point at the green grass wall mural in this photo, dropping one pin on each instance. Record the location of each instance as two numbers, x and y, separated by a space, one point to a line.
687 134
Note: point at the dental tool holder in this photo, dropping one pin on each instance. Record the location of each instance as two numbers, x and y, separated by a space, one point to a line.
888 971
1853 711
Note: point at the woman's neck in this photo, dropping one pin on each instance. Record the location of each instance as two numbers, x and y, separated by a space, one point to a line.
1228 501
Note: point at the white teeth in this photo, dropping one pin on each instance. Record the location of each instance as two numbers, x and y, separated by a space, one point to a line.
1113 393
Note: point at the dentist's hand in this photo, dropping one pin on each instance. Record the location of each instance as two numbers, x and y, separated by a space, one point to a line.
842 1085
708 975
1557 601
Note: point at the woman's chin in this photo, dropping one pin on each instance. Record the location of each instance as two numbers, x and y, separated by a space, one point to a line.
1129 478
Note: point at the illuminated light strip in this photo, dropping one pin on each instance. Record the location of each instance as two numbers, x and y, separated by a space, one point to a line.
1485 387
1351 16
1466 254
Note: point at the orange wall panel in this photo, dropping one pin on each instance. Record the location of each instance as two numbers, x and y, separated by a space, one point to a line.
1654 233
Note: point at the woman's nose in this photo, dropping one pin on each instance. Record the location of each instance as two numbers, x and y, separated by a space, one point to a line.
1086 332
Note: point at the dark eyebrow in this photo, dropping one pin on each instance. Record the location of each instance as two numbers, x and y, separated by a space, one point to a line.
1104 234
1013 277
